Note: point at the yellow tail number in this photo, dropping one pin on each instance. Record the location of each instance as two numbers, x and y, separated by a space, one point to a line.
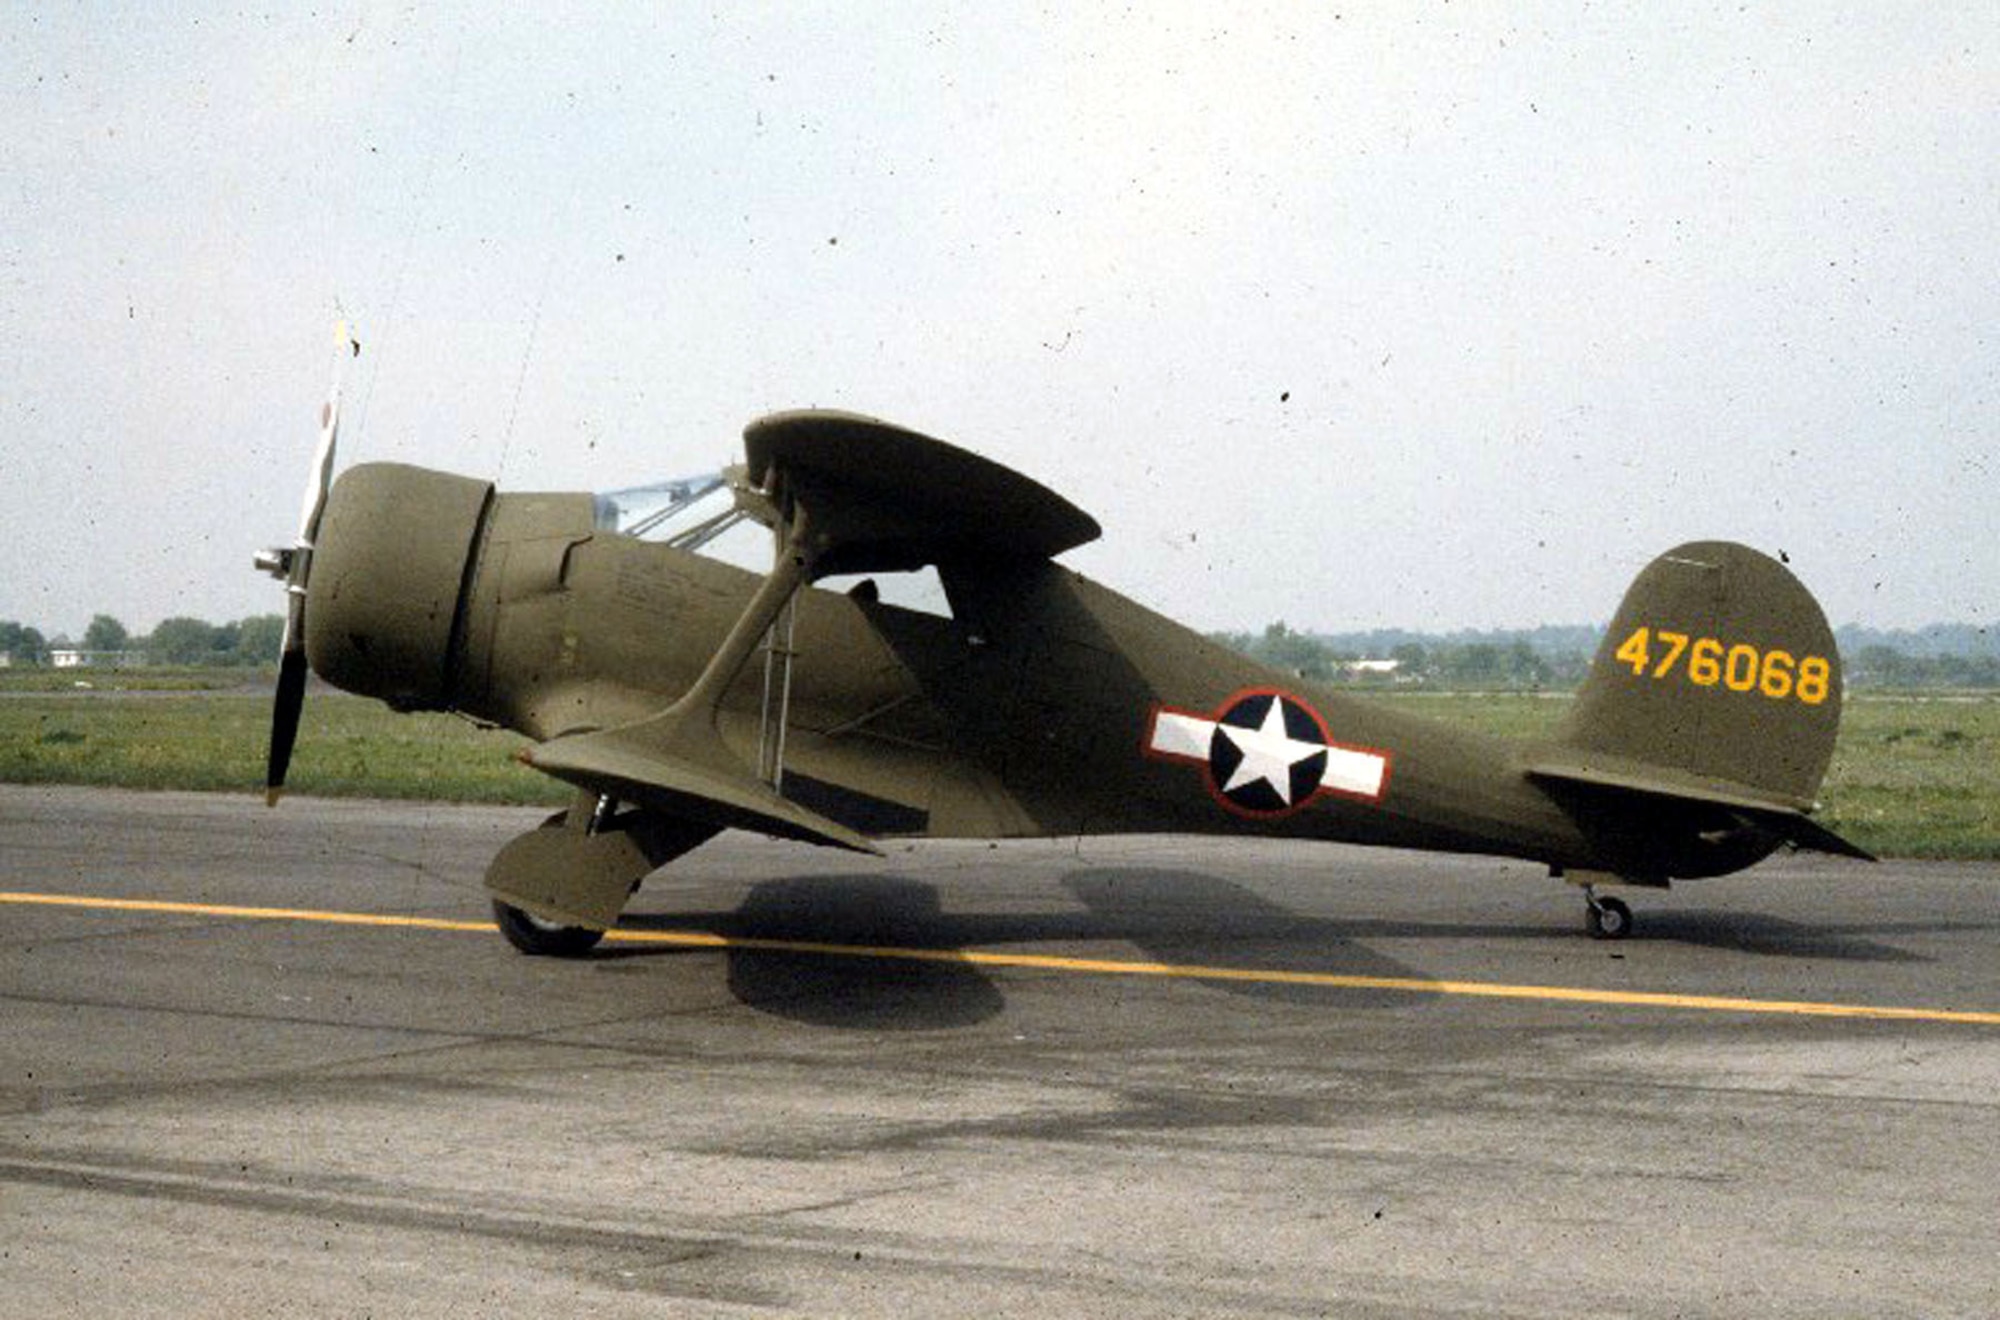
1738 666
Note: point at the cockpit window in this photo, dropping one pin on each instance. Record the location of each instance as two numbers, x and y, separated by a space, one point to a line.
697 513
707 514
655 512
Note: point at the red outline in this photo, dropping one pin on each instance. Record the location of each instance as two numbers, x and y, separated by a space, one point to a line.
1147 750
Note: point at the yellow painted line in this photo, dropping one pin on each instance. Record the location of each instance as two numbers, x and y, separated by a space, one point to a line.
242 913
692 939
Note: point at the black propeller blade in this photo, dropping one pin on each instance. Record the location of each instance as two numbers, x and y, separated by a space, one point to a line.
285 721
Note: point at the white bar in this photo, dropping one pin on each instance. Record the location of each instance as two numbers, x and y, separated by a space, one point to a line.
1175 734
1349 771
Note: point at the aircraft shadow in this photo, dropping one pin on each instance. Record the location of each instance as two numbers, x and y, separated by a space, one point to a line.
858 993
1771 937
877 994
1171 916
1190 919
1179 917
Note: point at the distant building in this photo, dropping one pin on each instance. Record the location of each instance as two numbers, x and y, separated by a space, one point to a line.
1370 668
72 657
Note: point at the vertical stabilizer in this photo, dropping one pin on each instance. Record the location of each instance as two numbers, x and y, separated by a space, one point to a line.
1720 673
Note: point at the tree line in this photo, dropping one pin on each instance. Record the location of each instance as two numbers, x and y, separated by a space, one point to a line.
1881 666
1557 658
1390 657
1944 656
177 641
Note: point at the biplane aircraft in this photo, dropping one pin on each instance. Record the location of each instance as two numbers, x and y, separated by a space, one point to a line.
682 696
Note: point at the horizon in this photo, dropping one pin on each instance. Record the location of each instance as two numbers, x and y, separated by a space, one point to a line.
69 638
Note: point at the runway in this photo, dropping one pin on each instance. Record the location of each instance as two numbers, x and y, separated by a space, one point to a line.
275 1061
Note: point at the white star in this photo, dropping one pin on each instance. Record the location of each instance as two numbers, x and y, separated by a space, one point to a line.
1269 753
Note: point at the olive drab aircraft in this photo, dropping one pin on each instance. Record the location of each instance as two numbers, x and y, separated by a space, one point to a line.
681 696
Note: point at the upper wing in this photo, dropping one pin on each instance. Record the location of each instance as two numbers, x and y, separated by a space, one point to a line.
884 499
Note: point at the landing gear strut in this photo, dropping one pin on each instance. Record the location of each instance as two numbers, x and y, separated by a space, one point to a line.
1605 918
558 888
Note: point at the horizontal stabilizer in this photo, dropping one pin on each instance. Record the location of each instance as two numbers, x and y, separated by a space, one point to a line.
627 767
1785 818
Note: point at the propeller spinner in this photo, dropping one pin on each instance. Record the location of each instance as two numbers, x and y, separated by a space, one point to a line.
292 565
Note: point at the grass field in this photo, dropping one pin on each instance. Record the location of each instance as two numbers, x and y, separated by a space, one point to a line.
1911 777
43 679
216 742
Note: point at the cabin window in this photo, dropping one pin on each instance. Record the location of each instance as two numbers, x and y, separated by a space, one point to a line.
653 512
696 514
921 590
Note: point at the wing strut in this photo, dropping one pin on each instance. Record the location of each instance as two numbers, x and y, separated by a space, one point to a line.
676 761
791 571
780 650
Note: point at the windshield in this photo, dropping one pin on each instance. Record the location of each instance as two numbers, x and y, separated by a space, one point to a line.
646 511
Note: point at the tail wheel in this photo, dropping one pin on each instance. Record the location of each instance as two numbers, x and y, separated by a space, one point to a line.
532 935
1607 918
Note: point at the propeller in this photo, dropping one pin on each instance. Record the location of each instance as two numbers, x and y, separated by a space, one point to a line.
292 565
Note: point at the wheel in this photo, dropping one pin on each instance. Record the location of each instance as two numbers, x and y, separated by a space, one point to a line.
1608 919
532 935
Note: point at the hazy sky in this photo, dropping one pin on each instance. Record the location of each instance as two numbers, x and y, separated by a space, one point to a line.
1418 314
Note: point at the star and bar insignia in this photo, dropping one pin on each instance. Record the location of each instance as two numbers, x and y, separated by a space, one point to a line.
1266 754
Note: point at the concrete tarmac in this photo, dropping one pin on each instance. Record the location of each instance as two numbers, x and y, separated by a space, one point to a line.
205 1111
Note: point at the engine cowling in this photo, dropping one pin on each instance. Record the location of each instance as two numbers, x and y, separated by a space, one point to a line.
390 571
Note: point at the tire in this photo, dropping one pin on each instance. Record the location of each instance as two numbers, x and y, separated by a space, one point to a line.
1609 919
543 939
